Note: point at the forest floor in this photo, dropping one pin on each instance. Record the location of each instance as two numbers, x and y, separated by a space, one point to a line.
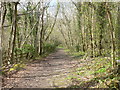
58 70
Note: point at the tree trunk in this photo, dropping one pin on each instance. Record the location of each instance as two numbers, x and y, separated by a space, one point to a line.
118 33
41 32
35 32
3 14
112 35
90 21
1 29
11 33
15 30
101 13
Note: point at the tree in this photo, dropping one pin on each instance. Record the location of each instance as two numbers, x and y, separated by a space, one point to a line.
2 19
15 32
41 31
118 32
101 13
112 32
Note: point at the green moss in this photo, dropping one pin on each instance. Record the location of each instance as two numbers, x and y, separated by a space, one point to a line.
101 70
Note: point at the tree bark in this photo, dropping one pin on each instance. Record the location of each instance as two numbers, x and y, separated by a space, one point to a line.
15 30
3 14
1 29
112 30
118 32
41 32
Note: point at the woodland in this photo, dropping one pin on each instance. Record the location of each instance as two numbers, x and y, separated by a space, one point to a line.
87 33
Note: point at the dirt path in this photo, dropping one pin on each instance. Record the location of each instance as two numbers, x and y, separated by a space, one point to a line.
52 72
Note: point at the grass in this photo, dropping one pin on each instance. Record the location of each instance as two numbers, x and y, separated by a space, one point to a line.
60 47
77 54
67 50
98 73
74 54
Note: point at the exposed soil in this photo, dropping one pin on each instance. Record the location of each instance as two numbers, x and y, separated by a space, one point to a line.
52 72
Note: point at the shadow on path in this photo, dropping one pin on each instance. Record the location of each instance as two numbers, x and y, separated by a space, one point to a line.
51 72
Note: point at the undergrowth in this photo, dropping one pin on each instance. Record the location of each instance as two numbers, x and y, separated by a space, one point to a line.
94 73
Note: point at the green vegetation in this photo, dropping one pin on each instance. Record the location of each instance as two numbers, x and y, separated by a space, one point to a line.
17 67
49 47
97 71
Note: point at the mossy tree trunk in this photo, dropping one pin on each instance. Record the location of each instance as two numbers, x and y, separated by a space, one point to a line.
3 15
101 13
15 32
112 34
118 32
